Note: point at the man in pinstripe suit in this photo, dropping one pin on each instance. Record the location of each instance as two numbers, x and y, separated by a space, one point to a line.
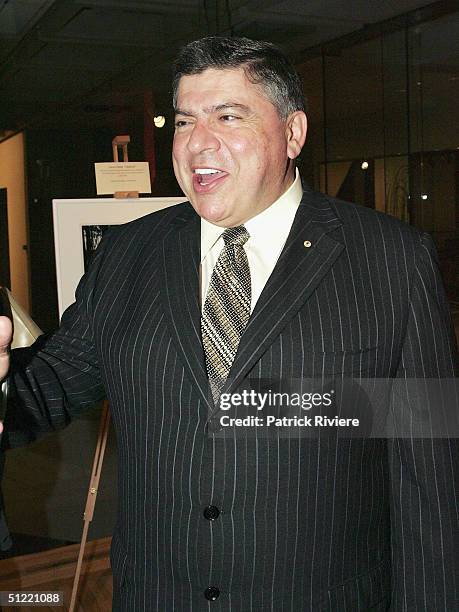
247 522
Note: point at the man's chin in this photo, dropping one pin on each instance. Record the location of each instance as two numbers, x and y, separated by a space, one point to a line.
213 212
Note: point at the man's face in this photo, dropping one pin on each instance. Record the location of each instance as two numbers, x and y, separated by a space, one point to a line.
232 152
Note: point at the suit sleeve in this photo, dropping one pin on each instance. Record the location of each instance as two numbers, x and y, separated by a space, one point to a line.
58 377
424 472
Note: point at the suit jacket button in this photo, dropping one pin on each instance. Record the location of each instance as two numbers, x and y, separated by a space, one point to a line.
211 513
211 593
213 426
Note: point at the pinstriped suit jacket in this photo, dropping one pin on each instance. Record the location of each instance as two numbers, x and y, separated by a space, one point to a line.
304 524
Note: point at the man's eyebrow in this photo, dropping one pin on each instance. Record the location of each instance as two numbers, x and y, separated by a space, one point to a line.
227 105
179 111
218 107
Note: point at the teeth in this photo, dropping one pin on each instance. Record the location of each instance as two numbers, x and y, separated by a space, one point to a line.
206 171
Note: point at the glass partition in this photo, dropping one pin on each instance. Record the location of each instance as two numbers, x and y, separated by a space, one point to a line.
385 128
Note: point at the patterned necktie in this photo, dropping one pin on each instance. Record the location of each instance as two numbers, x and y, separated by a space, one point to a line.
226 308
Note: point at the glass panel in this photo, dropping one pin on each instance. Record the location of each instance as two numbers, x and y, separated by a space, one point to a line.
384 129
353 103
434 129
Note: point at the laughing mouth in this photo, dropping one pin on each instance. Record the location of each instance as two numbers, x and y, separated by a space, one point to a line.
206 176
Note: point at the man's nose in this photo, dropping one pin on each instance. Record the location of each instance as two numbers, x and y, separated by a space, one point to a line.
202 138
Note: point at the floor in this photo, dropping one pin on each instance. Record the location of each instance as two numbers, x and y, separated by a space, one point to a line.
53 571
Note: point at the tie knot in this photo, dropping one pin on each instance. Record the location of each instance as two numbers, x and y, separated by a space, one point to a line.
236 235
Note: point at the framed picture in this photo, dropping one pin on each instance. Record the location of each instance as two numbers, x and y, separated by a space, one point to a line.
78 228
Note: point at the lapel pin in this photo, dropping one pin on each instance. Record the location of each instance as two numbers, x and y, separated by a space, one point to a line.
307 244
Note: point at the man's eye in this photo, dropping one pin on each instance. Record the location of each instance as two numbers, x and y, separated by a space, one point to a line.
180 123
228 117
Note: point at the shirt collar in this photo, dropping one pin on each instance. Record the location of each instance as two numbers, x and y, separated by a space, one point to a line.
275 220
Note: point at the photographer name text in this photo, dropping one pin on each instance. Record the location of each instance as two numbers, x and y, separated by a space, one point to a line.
295 421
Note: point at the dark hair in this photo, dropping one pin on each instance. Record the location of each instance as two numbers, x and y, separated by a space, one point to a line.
264 65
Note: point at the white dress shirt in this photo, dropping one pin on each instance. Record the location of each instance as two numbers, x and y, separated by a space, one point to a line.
268 232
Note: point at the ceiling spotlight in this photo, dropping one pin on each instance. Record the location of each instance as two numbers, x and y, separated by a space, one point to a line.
423 196
364 165
159 121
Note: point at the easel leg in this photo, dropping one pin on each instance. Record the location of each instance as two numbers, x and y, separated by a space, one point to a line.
92 494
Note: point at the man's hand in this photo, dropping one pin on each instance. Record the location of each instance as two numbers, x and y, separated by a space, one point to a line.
6 334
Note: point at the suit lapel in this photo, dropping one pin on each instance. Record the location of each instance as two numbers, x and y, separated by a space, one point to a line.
180 283
297 273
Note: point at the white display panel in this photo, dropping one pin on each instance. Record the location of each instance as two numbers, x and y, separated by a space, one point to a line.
71 216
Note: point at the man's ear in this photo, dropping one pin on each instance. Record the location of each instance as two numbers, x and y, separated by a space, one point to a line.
296 129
